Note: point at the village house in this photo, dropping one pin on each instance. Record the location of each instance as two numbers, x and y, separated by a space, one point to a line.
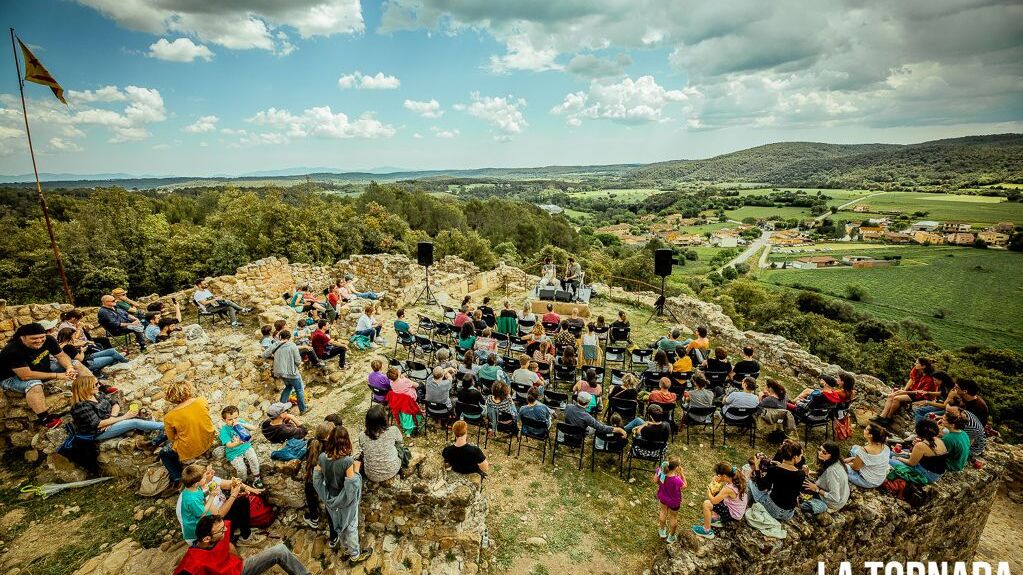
790 237
1004 227
871 263
661 228
814 262
897 237
724 239
682 239
993 238
861 208
871 232
925 237
960 239
954 227
924 226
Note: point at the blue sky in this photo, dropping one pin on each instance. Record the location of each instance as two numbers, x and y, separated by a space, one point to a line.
188 87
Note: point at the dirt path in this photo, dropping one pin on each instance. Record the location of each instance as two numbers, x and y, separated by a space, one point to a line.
1002 534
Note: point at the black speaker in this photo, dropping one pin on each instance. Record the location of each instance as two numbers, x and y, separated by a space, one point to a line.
424 253
663 260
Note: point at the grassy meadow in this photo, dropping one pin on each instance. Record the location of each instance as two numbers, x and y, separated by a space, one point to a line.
977 210
629 195
979 291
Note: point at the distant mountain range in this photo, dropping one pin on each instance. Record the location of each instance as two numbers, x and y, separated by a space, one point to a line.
951 163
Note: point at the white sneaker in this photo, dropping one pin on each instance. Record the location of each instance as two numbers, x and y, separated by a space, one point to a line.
663 532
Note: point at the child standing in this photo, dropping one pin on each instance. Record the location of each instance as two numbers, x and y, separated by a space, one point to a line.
726 499
237 439
312 498
671 481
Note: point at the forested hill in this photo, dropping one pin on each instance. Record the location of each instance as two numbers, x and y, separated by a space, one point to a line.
958 162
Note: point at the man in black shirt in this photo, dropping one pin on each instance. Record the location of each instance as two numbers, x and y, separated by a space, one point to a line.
463 457
745 367
25 365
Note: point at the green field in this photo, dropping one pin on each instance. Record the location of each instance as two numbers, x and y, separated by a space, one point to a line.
628 195
977 210
698 267
766 212
981 291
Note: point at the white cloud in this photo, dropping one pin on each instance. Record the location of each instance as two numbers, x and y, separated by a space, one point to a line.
62 145
446 134
417 136
500 112
236 24
628 101
314 122
8 133
161 146
104 94
429 109
362 81
522 55
180 50
144 106
203 124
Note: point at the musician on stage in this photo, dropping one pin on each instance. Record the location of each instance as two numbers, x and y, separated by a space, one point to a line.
573 273
548 274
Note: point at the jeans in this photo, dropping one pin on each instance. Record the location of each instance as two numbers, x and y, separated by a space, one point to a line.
815 505
121 427
765 499
312 505
277 555
371 333
855 477
19 385
172 462
294 383
633 424
930 475
225 306
104 358
334 351
247 460
368 295
350 536
922 412
135 329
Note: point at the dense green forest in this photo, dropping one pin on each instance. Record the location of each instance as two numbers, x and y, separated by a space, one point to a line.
946 164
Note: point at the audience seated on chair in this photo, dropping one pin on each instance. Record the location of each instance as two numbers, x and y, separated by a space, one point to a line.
463 457
208 303
119 322
550 316
741 399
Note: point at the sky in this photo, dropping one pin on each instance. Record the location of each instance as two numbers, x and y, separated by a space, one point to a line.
193 88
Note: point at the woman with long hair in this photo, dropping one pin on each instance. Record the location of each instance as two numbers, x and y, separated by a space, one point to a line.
920 386
379 444
339 485
312 459
831 489
867 465
928 454
94 413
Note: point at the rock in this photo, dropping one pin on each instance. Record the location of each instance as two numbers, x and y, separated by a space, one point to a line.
536 542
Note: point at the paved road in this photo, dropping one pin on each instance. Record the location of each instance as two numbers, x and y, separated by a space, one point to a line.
751 249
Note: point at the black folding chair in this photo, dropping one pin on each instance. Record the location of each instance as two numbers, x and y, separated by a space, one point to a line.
689 419
536 430
572 437
563 374
617 334
423 347
555 400
426 325
646 450
813 418
609 443
506 425
615 355
520 390
551 327
516 345
473 415
406 340
741 418
417 371
627 408
638 359
441 413
525 326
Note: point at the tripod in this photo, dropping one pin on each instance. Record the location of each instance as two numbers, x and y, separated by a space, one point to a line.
426 292
659 309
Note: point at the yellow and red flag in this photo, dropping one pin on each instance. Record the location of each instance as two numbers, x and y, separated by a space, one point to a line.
37 73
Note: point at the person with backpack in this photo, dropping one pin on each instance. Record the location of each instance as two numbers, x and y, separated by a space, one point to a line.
287 362
339 485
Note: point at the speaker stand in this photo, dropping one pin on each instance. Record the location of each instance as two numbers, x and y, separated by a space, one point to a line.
426 292
659 309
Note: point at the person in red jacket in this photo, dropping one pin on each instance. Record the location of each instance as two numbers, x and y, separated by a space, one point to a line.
324 347
921 386
213 554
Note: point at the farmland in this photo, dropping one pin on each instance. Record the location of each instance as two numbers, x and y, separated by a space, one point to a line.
627 195
978 291
977 210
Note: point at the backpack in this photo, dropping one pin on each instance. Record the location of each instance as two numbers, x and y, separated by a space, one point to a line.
361 342
260 512
294 448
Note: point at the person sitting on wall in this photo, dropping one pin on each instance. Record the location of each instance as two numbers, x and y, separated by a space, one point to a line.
326 348
920 386
25 364
354 291
207 303
159 327
119 322
73 319
367 326
123 302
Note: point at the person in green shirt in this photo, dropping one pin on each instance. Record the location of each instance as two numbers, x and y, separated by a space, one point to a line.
236 436
400 325
956 440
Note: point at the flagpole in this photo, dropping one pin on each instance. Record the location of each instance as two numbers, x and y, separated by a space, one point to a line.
39 186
